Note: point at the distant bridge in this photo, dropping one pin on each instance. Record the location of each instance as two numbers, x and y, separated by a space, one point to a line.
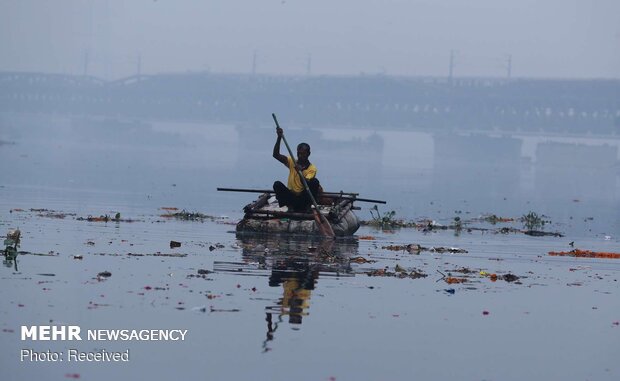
428 104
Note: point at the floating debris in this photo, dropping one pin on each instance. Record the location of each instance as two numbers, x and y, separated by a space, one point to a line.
533 221
453 250
416 249
585 254
506 230
411 248
399 269
361 260
394 247
49 254
494 277
200 309
59 216
177 255
105 218
104 274
387 220
493 219
190 216
539 233
454 280
212 309
220 246
464 270
174 244
510 277
399 272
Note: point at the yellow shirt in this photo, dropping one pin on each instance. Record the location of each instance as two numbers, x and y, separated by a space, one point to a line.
295 296
294 182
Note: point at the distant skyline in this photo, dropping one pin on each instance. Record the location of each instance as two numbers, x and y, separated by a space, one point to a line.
115 38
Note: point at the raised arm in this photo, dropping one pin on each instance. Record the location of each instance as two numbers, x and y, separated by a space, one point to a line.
276 149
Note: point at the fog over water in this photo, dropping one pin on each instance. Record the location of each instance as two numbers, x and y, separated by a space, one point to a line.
420 174
113 39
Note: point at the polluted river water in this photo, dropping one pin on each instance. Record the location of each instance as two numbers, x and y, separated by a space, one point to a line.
483 301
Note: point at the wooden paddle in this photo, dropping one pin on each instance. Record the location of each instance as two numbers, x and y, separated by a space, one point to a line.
324 227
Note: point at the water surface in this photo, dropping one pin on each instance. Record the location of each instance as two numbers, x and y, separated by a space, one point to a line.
296 307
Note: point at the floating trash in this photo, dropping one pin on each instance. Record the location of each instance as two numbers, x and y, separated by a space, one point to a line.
585 254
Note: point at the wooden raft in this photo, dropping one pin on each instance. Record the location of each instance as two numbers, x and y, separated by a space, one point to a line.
267 217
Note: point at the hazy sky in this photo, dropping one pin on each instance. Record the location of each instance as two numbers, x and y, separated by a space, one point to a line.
545 38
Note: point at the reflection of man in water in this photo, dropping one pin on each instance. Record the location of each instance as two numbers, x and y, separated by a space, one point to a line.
297 280
297 287
296 268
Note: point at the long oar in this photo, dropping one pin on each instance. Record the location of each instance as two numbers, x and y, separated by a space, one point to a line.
324 227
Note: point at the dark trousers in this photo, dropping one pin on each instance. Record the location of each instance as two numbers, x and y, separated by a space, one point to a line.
297 202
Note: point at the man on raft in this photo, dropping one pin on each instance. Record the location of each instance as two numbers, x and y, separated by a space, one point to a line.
294 195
